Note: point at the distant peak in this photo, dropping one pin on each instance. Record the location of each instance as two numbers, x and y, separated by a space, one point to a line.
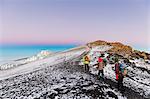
121 49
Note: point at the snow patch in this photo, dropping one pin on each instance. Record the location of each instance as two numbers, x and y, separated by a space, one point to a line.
43 54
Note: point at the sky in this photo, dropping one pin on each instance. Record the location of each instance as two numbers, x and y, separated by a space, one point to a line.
29 22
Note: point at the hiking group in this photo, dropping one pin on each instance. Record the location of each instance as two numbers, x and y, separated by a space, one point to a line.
120 69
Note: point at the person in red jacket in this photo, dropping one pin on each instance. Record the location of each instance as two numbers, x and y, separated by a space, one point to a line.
100 67
117 67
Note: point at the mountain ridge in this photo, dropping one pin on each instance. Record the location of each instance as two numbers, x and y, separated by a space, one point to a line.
121 49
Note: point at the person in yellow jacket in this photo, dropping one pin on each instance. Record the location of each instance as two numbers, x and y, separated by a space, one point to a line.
86 62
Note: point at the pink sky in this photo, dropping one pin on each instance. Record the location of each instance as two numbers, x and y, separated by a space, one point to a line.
75 21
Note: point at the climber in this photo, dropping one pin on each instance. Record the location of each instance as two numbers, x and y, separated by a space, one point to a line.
121 72
100 67
86 62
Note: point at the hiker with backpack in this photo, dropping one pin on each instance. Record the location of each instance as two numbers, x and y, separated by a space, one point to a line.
121 72
86 62
100 67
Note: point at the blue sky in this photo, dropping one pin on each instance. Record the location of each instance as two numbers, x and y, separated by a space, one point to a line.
75 21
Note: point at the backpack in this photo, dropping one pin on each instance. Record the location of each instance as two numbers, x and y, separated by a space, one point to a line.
121 68
104 60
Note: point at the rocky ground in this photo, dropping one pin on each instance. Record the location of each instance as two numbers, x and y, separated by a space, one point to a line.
62 81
